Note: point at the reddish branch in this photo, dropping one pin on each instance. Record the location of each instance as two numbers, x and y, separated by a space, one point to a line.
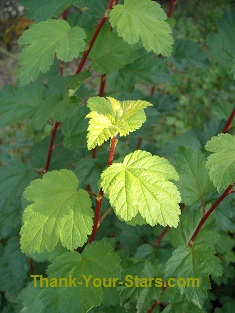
155 303
93 38
171 8
51 146
139 142
111 150
228 123
99 200
157 241
31 267
208 213
100 196
102 85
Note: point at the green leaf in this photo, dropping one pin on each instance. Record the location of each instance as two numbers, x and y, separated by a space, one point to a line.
194 183
225 215
96 261
197 263
43 41
108 117
14 267
30 297
143 21
178 303
189 221
141 185
186 53
18 104
108 47
14 178
222 43
34 101
44 9
87 171
74 129
38 153
148 69
59 210
221 163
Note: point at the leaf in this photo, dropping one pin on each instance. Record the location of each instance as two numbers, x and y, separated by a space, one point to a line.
141 185
45 39
44 9
18 104
30 297
178 303
186 140
74 129
222 43
148 69
38 153
59 210
58 108
189 221
194 183
14 267
197 263
108 47
97 261
87 171
143 21
186 53
225 215
34 101
221 163
108 117
15 176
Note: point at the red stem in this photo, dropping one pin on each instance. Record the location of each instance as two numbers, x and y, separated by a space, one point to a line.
112 150
93 153
102 85
157 241
99 200
100 196
155 303
50 150
228 123
93 38
31 268
139 142
61 68
208 213
171 8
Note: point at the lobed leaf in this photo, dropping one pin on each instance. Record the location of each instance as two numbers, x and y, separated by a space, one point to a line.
194 183
45 39
108 117
143 21
108 48
222 43
45 9
14 178
221 163
98 261
59 210
141 185
197 263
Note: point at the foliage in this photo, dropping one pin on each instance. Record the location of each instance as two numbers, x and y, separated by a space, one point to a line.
100 158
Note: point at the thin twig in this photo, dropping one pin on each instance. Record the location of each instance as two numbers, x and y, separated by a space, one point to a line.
93 38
